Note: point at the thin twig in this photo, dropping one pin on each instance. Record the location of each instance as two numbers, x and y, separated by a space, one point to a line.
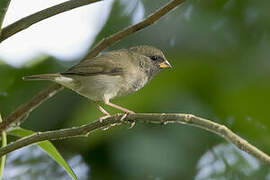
153 118
103 44
41 15
32 104
17 115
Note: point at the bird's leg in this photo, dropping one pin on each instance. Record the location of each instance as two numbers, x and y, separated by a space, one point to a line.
103 111
119 107
126 111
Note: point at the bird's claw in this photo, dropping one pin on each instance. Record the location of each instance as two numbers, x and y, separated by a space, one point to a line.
123 117
103 117
132 125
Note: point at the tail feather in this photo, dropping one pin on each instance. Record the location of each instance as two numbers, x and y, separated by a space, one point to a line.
42 77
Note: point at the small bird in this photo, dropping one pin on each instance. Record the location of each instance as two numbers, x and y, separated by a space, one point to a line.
110 75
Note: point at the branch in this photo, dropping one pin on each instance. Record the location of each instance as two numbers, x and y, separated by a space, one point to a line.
155 118
25 109
51 91
103 44
41 15
3 10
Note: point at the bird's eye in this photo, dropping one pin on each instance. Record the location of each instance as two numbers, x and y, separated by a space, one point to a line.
154 58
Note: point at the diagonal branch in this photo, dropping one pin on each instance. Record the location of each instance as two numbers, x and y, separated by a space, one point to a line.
153 118
17 115
32 104
41 15
106 42
3 10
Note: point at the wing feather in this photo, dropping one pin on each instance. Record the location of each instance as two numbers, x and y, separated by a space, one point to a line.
110 63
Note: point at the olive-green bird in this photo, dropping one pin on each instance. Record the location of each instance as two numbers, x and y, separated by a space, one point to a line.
110 75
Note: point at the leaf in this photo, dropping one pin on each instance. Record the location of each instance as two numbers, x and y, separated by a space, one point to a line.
46 146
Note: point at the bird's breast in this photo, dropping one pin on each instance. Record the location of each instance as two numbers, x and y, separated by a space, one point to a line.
99 87
132 83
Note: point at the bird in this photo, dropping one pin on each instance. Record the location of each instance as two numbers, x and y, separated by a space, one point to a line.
110 75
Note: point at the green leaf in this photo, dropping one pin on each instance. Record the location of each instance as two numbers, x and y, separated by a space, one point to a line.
46 146
3 158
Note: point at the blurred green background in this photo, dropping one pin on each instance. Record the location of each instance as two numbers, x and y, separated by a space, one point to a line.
219 50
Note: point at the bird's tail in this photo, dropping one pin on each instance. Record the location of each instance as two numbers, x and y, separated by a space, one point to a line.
50 77
58 78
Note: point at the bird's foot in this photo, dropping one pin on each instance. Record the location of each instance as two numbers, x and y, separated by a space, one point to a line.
123 117
132 124
104 117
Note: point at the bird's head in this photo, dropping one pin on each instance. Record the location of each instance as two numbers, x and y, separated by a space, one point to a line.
150 59
154 56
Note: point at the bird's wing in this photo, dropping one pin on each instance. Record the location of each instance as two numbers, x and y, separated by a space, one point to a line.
110 63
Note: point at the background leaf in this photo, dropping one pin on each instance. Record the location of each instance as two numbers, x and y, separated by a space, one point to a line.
47 147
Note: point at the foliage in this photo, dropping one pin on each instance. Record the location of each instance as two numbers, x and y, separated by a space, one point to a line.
47 147
219 51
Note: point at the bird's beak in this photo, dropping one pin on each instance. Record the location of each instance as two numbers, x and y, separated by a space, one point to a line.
164 65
